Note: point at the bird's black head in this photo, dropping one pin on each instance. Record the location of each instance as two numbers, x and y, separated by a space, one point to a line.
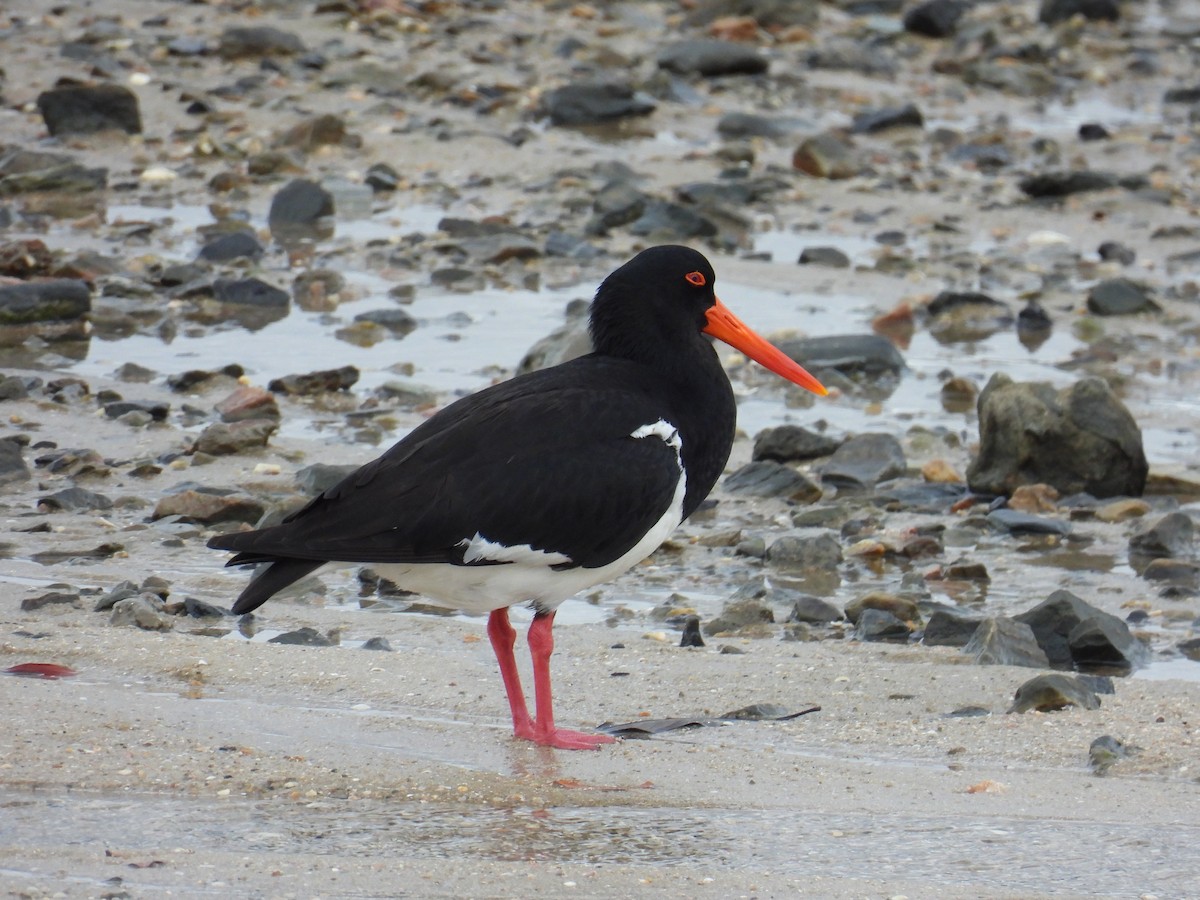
655 305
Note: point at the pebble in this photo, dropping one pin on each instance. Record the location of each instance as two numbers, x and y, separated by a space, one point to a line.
209 508
1170 535
86 109
864 460
1120 297
44 301
145 611
224 439
766 478
593 103
712 58
792 443
1001 641
319 382
1048 693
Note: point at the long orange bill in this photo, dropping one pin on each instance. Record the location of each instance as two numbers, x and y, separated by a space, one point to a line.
725 326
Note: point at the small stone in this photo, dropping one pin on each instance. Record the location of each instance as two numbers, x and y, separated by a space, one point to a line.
209 509
52 300
878 120
850 354
224 439
831 257
1068 629
810 610
74 499
227 247
1113 251
1015 522
594 103
792 552
258 42
791 443
691 633
51 598
12 464
1034 498
765 478
303 637
1171 535
199 609
299 208
252 292
940 471
1052 12
827 155
1047 693
712 58
950 628
377 643
880 625
935 18
248 402
738 615
902 608
145 611
316 382
1120 297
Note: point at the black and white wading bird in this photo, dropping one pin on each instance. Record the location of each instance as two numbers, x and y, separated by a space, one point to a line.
537 488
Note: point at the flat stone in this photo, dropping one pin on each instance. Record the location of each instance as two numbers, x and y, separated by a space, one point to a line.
902 608
145 611
74 499
950 628
86 109
712 58
795 552
1170 535
864 460
765 478
880 625
1048 693
792 443
849 354
248 402
592 103
935 18
209 509
319 382
223 439
1120 297
258 42
1000 641
52 300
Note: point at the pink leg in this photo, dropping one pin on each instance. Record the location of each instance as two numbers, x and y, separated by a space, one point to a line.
541 645
502 636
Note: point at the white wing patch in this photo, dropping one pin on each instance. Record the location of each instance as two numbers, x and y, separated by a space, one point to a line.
480 549
666 432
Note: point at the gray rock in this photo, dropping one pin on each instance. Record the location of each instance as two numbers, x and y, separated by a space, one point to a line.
224 439
765 478
145 610
199 609
1002 641
569 341
827 155
86 109
592 103
740 614
812 610
309 383
250 292
790 443
235 245
1063 184
74 499
1114 251
881 625
1171 535
1014 521
303 637
869 354
1048 693
664 220
831 257
794 552
712 58
950 628
52 598
320 477
877 120
397 321
120 591
258 42
902 608
746 125
53 300
209 508
377 643
12 464
865 460
1120 297
1080 439
300 208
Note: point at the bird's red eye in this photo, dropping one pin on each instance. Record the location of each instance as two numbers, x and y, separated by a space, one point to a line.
696 278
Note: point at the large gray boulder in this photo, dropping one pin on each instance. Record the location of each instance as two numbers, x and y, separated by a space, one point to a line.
1078 439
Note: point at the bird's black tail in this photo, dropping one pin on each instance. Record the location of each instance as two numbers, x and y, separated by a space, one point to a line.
270 579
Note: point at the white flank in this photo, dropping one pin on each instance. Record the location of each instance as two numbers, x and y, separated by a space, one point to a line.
480 548
529 577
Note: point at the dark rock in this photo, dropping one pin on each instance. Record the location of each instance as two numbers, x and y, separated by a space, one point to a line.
664 220
772 15
1093 131
298 209
377 643
73 499
1063 184
1176 572
712 58
199 609
812 610
950 628
846 353
691 633
18 387
397 321
55 300
209 509
382 178
149 411
303 637
847 54
1055 11
1172 535
186 381
1190 648
25 259
1080 439
1016 522
958 316
12 463
1182 95
790 443
315 382
877 120
119 592
935 18
1063 621
880 625
748 125
85 109
221 439
1106 751
594 103
739 614
236 245
250 292
1120 297
51 598
794 552
1117 252
824 256
69 178
258 42
1005 642
864 460
1047 693
765 478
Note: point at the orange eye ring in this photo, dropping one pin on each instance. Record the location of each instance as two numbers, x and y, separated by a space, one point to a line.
696 278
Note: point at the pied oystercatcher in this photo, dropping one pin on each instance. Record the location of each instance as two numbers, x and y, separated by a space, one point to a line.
536 488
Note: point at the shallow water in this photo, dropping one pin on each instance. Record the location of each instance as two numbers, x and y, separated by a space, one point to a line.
1043 856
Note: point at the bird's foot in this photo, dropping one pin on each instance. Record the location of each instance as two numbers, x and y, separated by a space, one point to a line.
564 738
